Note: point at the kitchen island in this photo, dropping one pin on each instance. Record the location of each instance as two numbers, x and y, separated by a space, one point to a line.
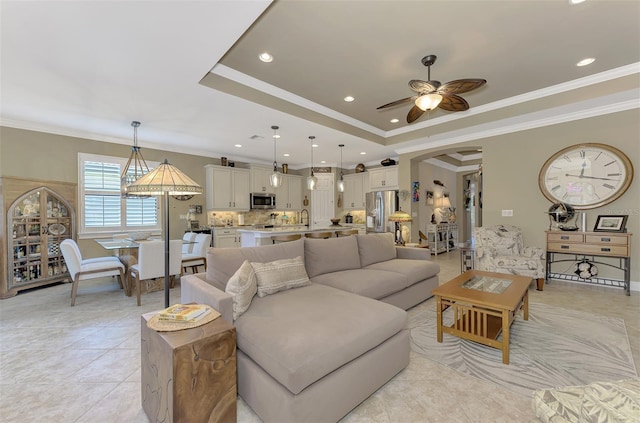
257 237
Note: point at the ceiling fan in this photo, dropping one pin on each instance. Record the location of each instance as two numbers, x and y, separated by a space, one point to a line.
432 94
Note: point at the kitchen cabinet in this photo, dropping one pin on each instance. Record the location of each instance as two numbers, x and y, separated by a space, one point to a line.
39 216
385 178
227 188
355 187
289 194
260 179
226 238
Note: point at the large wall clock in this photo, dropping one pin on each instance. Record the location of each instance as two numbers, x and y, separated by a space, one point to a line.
586 176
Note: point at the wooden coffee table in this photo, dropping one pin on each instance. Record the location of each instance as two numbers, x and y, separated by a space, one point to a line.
484 305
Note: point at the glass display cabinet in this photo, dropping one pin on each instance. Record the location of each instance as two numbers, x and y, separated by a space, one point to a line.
38 220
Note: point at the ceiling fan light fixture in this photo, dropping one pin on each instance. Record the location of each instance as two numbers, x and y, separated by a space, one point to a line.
428 101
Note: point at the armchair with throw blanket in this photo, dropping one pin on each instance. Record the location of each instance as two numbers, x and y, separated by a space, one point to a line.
501 249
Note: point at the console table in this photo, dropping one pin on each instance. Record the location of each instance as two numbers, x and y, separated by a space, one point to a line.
589 245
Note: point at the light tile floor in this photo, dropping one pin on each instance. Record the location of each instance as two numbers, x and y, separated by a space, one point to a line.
82 364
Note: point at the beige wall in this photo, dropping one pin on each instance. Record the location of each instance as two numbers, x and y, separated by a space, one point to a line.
512 162
39 155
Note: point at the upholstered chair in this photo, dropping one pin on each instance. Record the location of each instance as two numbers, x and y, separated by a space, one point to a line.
189 239
501 249
198 256
151 262
92 268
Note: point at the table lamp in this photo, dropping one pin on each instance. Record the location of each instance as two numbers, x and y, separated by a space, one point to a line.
400 217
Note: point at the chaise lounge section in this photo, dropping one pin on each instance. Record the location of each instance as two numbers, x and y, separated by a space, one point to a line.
313 353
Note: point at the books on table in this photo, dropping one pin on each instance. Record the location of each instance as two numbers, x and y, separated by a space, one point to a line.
184 313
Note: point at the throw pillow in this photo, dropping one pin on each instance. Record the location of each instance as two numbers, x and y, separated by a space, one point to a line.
280 275
242 286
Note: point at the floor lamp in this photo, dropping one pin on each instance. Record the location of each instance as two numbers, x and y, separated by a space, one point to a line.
165 180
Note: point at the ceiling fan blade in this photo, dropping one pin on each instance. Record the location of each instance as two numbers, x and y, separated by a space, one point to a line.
453 103
395 103
423 87
460 86
414 114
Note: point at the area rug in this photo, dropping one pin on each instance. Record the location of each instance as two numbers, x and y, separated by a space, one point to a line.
555 347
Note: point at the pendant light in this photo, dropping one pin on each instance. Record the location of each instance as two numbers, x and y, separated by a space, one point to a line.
135 168
341 181
275 180
312 181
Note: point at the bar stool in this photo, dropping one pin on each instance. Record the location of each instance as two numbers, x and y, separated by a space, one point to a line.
347 232
322 235
276 239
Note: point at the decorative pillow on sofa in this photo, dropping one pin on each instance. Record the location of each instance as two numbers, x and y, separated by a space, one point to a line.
242 286
374 248
280 275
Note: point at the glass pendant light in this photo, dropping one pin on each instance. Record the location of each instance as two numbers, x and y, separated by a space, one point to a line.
312 181
341 181
275 180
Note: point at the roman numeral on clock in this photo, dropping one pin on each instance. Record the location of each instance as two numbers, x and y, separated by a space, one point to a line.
608 186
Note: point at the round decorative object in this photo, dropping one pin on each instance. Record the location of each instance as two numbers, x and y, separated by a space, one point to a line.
360 168
586 176
404 194
561 212
586 270
182 197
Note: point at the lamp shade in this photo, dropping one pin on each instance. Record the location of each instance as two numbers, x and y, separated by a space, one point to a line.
442 202
165 178
428 101
400 216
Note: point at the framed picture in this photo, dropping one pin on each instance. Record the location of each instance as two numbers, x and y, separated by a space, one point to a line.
415 188
610 223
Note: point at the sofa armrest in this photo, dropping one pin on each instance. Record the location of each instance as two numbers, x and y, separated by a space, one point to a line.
534 252
413 253
194 288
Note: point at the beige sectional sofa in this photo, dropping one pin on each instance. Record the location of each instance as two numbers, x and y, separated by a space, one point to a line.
313 353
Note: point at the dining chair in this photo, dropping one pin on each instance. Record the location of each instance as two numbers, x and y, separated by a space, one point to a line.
189 239
347 232
276 239
322 235
92 268
151 262
199 255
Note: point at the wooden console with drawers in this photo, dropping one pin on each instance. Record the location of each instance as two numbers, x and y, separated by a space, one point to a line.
589 245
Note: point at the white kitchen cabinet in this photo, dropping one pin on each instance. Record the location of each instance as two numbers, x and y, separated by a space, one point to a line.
385 178
355 187
289 194
226 238
227 188
260 179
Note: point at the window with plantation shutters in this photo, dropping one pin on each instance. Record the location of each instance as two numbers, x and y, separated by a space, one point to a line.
102 209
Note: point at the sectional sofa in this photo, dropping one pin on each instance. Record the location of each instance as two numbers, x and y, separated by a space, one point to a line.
314 352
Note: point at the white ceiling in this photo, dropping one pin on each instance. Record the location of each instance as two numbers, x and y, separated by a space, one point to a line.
187 72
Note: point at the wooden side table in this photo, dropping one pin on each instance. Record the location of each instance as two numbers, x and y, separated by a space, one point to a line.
189 375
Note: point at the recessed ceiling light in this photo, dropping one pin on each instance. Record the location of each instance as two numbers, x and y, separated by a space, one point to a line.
349 99
363 153
323 161
576 1
314 145
265 57
585 62
394 120
286 154
238 145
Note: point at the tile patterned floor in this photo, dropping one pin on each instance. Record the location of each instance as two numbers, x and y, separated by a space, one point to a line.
82 364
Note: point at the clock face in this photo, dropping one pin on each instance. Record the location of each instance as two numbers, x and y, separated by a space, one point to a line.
586 175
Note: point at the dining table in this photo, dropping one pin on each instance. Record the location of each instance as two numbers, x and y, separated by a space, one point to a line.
130 257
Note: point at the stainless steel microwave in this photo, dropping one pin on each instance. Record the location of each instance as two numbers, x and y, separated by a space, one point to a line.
261 200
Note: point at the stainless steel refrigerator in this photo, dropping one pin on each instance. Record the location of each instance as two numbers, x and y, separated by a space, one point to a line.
380 205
